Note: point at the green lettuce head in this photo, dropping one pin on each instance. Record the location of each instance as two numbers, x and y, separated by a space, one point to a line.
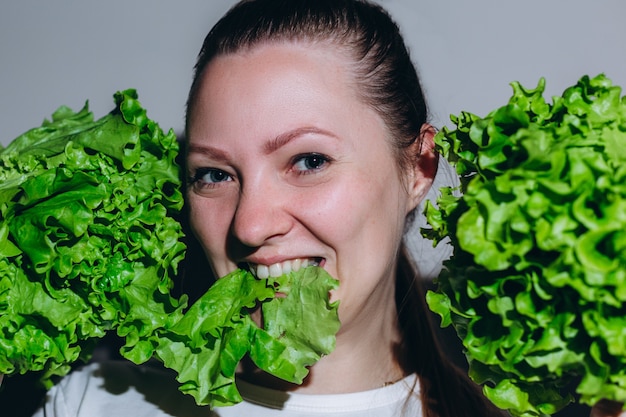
536 287
89 240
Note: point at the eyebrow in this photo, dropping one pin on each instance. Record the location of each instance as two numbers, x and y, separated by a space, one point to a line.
210 151
271 146
284 138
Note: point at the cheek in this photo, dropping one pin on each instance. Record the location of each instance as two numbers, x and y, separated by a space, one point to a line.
364 228
210 223
331 211
377 223
361 214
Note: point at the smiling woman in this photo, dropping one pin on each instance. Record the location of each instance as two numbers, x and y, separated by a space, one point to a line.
310 197
308 144
288 112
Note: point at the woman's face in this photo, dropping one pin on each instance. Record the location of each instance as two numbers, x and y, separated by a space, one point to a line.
289 167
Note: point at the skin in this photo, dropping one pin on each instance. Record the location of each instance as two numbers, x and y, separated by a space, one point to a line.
289 163
608 409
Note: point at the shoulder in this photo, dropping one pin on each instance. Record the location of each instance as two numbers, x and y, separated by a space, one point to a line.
120 389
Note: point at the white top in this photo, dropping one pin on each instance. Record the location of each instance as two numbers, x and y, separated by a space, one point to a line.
122 389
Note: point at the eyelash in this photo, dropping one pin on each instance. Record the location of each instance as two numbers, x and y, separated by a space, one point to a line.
323 159
197 179
319 161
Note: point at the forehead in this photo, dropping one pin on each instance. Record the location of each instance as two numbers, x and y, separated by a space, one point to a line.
321 58
252 97
296 72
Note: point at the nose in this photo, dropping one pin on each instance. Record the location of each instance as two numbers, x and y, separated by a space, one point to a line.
261 214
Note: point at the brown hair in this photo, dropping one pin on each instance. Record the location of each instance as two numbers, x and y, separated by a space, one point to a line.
385 75
387 80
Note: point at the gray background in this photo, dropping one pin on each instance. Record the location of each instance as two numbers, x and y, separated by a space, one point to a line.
66 52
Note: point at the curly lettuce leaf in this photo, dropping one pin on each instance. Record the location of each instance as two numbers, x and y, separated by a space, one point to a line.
89 240
207 344
536 287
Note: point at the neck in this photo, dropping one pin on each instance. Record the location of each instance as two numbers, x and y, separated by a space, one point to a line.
368 355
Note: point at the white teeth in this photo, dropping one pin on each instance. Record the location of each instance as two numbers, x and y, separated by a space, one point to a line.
262 271
276 270
296 264
281 268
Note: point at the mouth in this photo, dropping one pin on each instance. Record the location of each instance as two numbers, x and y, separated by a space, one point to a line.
280 268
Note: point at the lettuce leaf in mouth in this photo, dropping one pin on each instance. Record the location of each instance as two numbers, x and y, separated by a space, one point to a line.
208 343
90 243
536 286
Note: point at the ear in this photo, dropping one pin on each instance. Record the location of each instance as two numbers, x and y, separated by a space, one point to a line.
423 166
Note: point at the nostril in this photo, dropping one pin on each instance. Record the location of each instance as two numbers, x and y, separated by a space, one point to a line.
252 221
255 225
